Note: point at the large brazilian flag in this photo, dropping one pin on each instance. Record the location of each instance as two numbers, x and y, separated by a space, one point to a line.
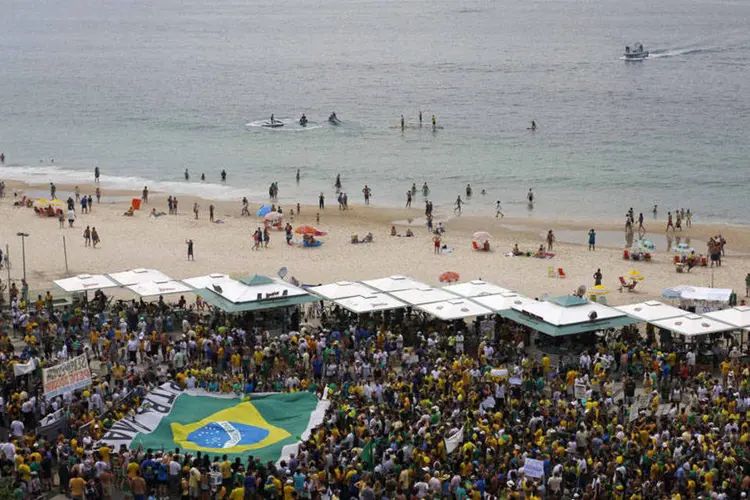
261 425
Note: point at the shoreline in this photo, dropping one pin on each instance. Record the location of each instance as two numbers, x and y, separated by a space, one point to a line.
141 241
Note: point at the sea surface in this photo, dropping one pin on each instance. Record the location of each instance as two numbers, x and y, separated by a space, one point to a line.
148 89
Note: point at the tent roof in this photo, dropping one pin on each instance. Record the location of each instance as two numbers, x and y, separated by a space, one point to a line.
216 300
135 276
454 309
341 289
475 288
153 288
651 310
238 292
691 325
502 301
84 282
417 296
561 311
736 316
207 281
564 316
370 303
394 283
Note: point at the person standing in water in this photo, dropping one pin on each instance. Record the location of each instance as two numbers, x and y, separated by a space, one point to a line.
366 191
408 199
458 204
187 175
403 124
297 176
533 125
96 175
530 197
420 119
434 122
223 175
337 184
592 240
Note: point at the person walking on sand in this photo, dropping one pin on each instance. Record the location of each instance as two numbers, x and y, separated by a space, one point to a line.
669 222
94 237
98 194
592 240
499 210
550 240
747 285
641 227
436 242
96 175
211 212
144 195
266 237
457 205
52 190
408 199
196 208
71 217
61 218
174 205
190 254
598 277
87 236
321 201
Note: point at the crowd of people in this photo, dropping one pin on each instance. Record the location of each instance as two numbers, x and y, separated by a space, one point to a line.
419 408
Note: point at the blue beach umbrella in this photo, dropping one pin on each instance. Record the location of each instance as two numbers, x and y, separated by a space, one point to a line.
645 246
263 210
682 248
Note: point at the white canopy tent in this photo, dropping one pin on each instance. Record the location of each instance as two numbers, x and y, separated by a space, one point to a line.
370 303
395 283
692 325
558 314
84 282
502 301
208 280
341 289
738 317
417 296
448 310
687 292
136 276
153 288
237 292
651 311
475 288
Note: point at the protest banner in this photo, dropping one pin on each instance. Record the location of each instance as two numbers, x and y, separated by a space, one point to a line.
66 377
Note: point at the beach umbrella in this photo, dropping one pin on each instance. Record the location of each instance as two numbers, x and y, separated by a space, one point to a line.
311 230
263 210
635 275
273 216
599 290
449 277
482 236
644 246
682 248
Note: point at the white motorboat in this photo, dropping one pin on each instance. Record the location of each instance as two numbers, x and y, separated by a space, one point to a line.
636 53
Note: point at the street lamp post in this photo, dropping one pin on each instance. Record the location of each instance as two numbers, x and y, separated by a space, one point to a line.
23 251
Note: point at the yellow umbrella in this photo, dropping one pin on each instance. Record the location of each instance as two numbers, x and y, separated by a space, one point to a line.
635 275
599 290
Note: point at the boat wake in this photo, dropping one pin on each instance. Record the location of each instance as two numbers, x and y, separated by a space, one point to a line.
658 54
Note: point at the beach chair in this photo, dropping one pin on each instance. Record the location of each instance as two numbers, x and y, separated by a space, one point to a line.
561 273
551 273
628 286
625 255
676 259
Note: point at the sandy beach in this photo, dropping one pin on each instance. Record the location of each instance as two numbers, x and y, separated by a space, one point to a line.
143 241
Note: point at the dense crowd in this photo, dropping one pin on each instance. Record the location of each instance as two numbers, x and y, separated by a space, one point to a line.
419 409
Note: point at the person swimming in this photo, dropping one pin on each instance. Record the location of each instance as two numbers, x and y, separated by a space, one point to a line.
334 119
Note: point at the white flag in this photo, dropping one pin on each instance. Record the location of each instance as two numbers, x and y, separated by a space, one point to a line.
452 442
24 368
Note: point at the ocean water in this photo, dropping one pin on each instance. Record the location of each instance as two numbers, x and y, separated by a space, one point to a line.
148 89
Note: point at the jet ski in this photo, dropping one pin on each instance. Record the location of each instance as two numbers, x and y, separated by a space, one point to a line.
273 124
636 53
303 121
333 120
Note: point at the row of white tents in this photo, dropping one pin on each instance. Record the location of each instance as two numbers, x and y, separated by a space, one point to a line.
555 316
